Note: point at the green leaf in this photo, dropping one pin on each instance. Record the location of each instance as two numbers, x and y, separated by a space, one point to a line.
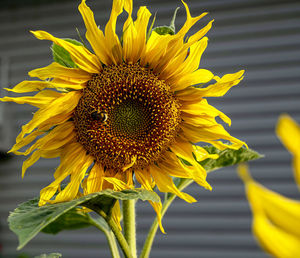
62 56
228 157
23 255
52 255
29 219
73 219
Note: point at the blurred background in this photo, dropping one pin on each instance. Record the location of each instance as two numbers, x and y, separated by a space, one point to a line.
260 36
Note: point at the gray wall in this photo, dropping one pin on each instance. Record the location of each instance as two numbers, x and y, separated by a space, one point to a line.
260 36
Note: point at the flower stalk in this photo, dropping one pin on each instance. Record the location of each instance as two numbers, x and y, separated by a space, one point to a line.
130 225
110 239
154 227
118 234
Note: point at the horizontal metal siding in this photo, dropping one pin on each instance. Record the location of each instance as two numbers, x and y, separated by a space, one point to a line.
259 36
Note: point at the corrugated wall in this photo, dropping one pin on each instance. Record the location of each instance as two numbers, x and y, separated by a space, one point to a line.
260 36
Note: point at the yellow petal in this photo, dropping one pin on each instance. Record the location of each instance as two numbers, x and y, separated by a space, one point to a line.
55 139
155 49
116 214
175 45
78 172
162 49
129 34
190 21
198 120
47 193
55 70
157 206
59 106
190 64
223 146
289 133
28 139
28 86
141 25
50 154
94 181
43 127
184 150
30 161
282 211
94 35
119 185
129 178
36 156
55 120
218 89
70 157
40 100
199 34
296 166
56 135
269 237
134 35
222 85
176 61
79 54
144 178
276 219
196 77
203 109
58 141
111 38
165 184
201 154
174 167
133 160
211 135
72 153
128 8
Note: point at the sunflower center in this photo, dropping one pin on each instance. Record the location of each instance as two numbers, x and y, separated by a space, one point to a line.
126 113
129 119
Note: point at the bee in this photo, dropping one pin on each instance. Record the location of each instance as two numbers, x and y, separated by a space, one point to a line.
99 116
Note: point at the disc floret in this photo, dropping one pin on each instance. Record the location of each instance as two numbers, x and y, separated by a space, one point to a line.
126 113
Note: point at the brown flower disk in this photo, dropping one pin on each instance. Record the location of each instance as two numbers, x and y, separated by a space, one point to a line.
126 112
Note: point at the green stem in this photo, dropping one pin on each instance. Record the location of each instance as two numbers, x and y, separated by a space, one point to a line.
152 232
110 239
113 245
129 225
119 236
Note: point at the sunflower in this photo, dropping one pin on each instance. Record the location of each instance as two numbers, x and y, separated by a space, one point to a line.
128 108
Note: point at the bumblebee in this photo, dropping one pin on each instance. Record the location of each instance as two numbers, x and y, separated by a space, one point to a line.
99 116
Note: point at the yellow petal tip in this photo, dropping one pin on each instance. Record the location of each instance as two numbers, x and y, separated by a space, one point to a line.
243 172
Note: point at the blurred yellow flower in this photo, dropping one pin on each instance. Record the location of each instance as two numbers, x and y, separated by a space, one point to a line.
276 219
288 132
128 108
